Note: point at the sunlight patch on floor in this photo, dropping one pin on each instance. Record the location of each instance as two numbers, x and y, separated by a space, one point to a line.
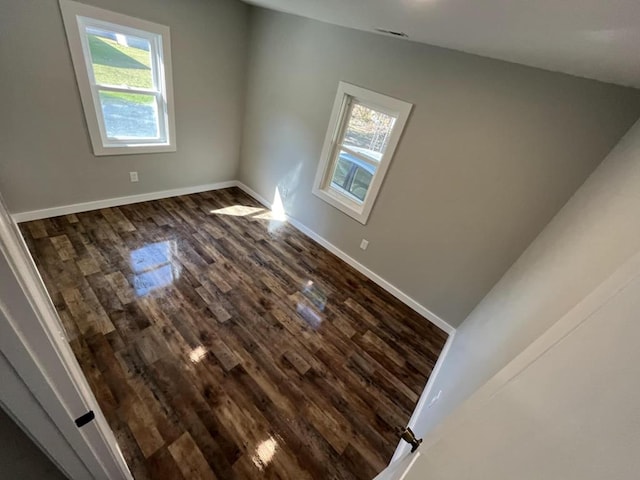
276 215
238 211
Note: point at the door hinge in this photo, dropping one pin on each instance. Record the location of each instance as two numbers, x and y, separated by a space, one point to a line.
408 436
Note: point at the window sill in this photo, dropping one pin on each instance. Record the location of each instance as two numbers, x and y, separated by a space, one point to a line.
100 151
359 213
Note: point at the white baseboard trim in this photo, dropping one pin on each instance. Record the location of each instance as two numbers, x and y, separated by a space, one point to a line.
117 201
422 405
145 197
396 292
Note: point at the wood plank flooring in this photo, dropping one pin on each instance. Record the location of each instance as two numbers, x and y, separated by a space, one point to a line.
223 343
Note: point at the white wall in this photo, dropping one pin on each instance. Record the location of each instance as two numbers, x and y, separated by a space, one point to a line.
46 158
566 408
593 234
491 151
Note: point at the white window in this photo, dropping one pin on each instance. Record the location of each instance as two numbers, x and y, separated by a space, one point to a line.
363 133
123 68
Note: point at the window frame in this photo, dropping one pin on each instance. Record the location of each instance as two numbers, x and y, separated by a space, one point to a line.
346 96
77 17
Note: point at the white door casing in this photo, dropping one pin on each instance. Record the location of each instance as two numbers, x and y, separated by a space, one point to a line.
34 345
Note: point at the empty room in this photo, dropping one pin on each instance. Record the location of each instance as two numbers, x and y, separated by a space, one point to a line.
319 240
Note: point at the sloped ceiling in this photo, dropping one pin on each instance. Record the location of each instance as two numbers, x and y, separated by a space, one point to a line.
597 39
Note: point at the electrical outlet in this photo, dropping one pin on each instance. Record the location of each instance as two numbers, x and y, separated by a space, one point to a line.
364 244
133 176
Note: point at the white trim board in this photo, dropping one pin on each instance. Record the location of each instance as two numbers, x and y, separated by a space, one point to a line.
76 18
347 97
117 201
34 345
396 292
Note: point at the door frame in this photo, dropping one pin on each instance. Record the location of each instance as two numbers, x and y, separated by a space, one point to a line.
35 346
422 406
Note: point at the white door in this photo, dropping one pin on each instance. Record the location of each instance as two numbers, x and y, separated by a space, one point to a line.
43 387
568 407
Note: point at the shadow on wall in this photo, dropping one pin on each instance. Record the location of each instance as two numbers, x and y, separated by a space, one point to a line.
20 457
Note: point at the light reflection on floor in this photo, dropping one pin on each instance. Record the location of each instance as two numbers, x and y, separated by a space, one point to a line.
309 315
197 354
315 295
154 266
314 303
264 453
310 308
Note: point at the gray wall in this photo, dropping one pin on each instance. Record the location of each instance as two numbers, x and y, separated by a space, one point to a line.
592 236
491 151
45 153
20 458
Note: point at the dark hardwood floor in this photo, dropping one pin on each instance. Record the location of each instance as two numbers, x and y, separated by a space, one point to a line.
223 343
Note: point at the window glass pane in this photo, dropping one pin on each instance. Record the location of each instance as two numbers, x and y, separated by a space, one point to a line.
129 115
368 131
118 59
360 184
343 165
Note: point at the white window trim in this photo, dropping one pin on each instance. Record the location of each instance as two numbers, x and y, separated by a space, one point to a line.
321 187
75 15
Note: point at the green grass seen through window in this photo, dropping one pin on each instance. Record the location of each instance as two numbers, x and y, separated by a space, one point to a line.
115 64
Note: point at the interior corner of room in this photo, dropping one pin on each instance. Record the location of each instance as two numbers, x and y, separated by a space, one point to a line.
338 232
